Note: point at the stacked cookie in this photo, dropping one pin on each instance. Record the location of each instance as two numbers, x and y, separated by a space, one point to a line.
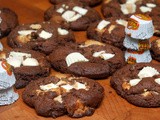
7 80
138 31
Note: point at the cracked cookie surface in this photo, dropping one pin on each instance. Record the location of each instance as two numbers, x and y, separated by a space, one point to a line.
54 97
139 84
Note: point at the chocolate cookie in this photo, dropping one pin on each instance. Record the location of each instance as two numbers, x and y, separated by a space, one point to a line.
43 37
155 49
72 14
93 60
54 97
8 21
86 2
118 8
139 84
27 65
110 31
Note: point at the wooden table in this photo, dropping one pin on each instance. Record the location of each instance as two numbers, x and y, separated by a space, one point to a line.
113 106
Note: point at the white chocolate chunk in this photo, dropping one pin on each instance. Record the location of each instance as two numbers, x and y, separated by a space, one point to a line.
102 24
45 35
67 87
80 10
36 26
60 10
134 82
132 1
67 7
74 18
151 5
75 57
98 54
48 87
62 31
157 81
107 56
67 15
147 72
25 32
59 99
30 62
78 86
112 27
61 82
14 62
103 55
122 22
145 9
128 8
19 54
63 5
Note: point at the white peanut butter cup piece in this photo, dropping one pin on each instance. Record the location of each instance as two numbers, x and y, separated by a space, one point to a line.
25 32
30 62
45 35
147 72
75 57
102 24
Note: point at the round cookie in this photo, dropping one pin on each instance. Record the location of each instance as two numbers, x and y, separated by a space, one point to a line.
86 2
43 37
27 65
139 84
72 14
93 60
8 21
110 31
117 8
54 97
155 49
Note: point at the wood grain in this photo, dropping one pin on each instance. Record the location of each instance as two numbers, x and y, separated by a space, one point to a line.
113 106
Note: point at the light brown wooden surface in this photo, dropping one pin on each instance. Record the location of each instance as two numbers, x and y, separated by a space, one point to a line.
113 106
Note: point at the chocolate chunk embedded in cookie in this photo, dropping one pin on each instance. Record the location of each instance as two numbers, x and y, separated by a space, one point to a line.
155 49
54 97
74 13
27 65
110 31
90 60
8 21
42 37
139 84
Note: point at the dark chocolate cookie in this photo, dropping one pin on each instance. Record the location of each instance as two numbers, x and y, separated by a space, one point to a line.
27 65
54 97
110 31
139 84
72 14
86 2
93 60
8 21
155 49
119 8
43 37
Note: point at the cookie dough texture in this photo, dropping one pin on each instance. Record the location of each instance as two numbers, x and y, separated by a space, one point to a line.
42 37
8 21
138 84
72 14
155 49
93 61
27 65
54 97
